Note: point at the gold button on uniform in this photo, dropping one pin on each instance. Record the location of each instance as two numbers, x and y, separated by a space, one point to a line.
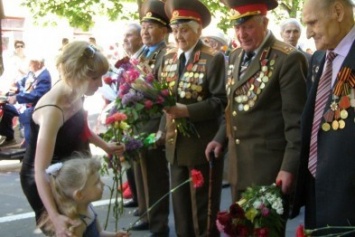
234 113
237 141
235 128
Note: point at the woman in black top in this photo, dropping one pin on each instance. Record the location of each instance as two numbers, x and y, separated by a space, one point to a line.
59 127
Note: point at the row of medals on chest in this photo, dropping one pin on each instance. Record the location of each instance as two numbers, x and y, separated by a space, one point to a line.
337 113
190 83
248 93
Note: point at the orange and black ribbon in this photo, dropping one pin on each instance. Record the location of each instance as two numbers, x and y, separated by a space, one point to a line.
345 78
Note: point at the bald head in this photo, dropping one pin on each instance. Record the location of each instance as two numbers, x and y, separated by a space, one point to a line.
327 21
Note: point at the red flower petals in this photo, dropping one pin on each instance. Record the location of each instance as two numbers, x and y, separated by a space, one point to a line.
116 117
197 178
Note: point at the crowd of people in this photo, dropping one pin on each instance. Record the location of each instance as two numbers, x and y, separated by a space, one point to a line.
275 113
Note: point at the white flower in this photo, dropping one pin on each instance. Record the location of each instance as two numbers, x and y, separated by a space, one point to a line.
257 204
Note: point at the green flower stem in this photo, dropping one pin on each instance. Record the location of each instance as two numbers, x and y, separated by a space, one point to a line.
109 205
157 202
350 228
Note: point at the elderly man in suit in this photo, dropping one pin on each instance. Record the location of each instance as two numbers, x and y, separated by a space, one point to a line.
29 90
266 93
327 172
291 33
196 75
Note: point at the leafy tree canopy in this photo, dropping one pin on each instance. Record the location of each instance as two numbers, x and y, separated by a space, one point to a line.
82 13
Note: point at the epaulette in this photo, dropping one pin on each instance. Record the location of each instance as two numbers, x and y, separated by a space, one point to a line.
283 47
208 50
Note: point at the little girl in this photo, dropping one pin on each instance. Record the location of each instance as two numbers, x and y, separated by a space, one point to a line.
75 184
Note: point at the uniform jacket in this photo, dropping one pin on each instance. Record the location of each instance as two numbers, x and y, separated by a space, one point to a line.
201 88
263 113
335 176
155 59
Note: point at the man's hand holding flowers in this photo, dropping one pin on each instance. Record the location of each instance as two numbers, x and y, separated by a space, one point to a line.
177 111
285 180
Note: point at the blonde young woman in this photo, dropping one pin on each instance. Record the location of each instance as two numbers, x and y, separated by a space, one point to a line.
59 127
75 184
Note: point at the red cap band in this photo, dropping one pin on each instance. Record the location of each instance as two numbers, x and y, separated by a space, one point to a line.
185 14
252 8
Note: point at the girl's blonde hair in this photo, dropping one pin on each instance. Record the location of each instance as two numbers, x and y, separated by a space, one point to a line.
72 176
79 62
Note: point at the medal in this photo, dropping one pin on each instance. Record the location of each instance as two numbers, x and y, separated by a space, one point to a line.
335 125
343 114
325 127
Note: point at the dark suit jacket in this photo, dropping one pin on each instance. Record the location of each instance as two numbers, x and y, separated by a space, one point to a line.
335 177
41 85
263 119
205 106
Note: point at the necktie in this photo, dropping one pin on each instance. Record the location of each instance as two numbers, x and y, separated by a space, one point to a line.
248 56
145 52
323 92
182 62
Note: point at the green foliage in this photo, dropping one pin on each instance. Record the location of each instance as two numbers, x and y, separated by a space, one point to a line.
219 11
82 14
79 13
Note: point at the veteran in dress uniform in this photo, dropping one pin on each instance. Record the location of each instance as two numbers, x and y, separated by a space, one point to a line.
266 93
154 166
327 172
196 76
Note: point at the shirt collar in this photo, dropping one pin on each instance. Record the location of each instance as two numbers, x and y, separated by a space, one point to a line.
188 53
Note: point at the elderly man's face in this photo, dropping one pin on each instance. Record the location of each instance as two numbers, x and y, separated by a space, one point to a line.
185 36
153 33
322 24
291 34
132 40
251 33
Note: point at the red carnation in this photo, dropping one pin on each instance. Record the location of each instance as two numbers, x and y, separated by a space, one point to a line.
116 117
236 211
300 231
261 232
197 178
165 92
124 60
108 80
148 104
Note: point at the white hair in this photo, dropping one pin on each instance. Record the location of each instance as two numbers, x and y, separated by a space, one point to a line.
293 21
194 25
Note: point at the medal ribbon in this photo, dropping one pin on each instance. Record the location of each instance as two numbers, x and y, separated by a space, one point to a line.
344 78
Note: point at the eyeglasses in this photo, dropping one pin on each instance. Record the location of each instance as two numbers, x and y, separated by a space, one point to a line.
19 46
89 51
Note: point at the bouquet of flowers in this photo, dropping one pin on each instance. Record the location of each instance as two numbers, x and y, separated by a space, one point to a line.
258 213
120 131
141 95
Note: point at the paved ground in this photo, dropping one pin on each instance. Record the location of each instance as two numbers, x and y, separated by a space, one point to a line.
14 206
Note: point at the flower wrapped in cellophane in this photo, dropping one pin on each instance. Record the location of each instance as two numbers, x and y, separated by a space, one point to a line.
257 214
